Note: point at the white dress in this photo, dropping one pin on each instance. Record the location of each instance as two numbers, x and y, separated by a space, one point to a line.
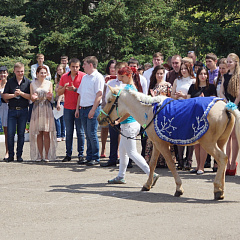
42 119
183 84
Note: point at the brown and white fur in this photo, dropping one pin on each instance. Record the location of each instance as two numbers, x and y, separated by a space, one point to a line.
221 123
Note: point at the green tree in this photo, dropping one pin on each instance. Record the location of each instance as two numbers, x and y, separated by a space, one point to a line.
213 26
10 61
11 7
14 37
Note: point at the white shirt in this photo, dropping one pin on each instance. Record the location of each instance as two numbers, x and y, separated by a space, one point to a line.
144 85
34 69
113 83
183 84
91 84
147 74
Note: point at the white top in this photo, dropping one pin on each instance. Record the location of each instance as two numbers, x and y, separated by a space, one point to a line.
34 69
218 86
113 83
91 84
144 85
147 74
183 84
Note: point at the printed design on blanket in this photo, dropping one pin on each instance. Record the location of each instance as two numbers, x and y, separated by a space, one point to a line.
183 121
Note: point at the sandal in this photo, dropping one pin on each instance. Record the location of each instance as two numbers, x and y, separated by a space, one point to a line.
200 172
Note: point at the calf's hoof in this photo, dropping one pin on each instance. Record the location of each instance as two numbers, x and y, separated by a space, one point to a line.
144 189
219 195
178 193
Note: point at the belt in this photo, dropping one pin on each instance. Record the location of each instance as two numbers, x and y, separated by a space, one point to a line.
86 107
16 108
89 107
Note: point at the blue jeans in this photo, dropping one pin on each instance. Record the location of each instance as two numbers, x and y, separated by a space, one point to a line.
60 126
69 118
16 118
90 128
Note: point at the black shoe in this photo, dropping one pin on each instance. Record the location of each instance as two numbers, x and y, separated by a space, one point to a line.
66 159
92 163
207 165
180 164
19 159
214 169
188 165
10 159
81 161
108 164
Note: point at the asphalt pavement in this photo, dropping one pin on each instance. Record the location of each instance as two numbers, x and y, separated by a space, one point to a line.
58 200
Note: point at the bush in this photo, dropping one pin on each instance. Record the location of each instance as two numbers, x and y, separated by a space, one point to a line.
10 61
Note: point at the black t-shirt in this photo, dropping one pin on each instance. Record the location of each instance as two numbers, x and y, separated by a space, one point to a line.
210 91
11 87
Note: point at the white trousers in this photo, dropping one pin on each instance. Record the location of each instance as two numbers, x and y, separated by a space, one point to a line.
128 149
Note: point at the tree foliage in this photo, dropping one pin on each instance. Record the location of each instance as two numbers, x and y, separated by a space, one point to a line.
14 37
10 61
118 29
214 25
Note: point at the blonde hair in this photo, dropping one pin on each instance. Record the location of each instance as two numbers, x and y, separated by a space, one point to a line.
18 65
187 59
233 85
39 55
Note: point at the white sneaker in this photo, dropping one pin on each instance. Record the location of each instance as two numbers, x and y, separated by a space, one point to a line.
59 139
155 178
63 139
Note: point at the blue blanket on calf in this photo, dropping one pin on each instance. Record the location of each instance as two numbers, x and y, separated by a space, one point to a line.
183 121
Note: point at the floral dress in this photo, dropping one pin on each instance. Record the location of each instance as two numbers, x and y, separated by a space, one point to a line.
166 90
42 119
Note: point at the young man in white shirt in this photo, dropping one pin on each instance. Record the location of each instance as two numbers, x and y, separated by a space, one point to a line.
90 97
157 60
40 60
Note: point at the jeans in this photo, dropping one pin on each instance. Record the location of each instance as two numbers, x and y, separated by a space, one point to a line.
90 128
69 118
16 118
60 126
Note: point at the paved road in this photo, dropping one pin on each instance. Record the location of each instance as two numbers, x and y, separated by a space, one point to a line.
67 201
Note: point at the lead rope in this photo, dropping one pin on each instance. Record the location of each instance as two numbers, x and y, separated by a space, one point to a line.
143 128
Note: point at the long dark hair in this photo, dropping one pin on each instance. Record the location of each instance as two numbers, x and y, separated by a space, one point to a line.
108 66
189 69
58 76
136 80
197 78
153 79
219 77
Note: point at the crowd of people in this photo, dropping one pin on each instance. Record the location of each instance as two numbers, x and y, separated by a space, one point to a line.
75 98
